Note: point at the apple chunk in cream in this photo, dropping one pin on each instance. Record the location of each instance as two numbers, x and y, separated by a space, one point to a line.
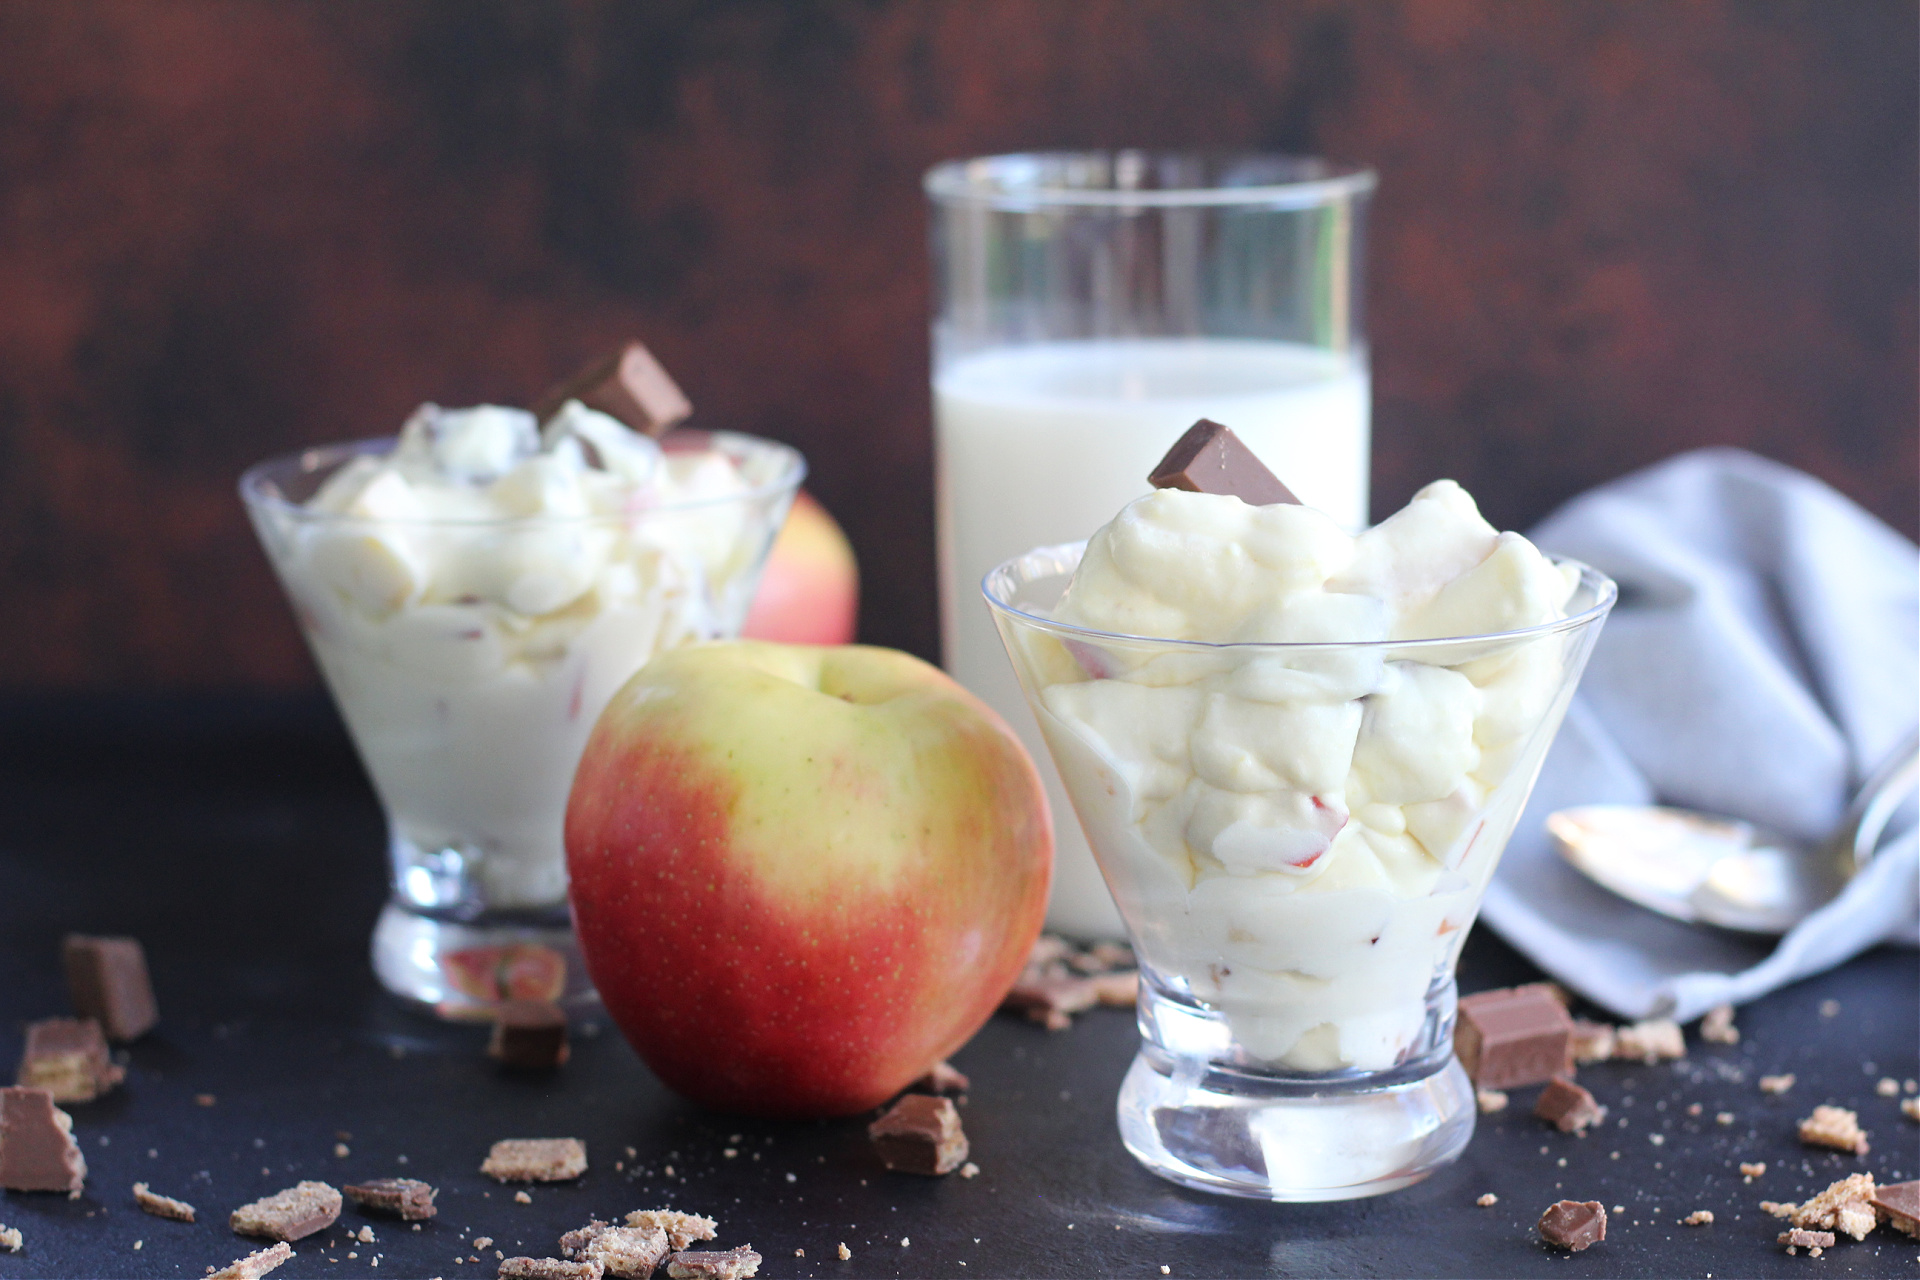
1300 836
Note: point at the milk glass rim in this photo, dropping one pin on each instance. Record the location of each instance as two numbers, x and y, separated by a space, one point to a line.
965 182
1606 592
259 488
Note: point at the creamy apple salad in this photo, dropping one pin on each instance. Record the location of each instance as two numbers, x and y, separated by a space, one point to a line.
1300 836
476 593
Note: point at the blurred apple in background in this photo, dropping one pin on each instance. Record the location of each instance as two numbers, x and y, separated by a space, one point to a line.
800 875
810 592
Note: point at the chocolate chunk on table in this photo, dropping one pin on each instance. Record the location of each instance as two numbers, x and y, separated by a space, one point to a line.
529 1035
1209 458
1567 1107
1801 1238
68 1058
1898 1205
547 1269
630 385
1513 1036
1574 1224
409 1198
107 979
293 1214
731 1264
37 1150
161 1206
920 1134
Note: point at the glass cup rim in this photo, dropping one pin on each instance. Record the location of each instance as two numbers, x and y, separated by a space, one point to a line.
969 181
1606 592
258 488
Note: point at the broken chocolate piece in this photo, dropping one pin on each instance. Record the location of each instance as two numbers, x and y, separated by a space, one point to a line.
68 1058
529 1035
1568 1107
536 1160
626 1253
682 1228
1513 1036
1898 1205
254 1265
161 1206
630 385
920 1134
1801 1238
1051 998
733 1264
409 1198
547 1269
1209 458
942 1078
107 979
293 1214
37 1151
1574 1224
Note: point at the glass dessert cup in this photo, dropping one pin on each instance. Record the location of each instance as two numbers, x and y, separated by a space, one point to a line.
1296 1024
470 713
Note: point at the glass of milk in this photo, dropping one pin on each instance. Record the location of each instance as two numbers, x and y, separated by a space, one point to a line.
1088 308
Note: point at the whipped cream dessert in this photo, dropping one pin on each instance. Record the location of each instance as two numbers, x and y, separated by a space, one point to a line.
475 595
1299 837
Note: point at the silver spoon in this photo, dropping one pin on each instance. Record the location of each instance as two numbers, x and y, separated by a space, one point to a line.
1724 872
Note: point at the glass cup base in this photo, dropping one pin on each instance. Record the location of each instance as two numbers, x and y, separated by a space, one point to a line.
1340 1143
461 970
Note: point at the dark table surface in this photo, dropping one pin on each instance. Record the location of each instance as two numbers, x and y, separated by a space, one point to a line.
240 841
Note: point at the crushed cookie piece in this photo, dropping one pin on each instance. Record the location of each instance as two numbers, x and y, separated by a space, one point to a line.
1488 1200
521 1197
1834 1127
1699 1218
1777 1085
1910 1108
11 1240
254 1265
1592 1041
628 1253
1574 1224
682 1229
161 1206
1489 1101
731 1264
969 1170
546 1269
1887 1087
1846 1206
1650 1041
293 1214
1723 1117
845 1253
482 1242
1800 1237
536 1160
1752 1168
1717 1026
409 1198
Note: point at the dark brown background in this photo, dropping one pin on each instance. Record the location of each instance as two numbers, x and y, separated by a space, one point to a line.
1605 232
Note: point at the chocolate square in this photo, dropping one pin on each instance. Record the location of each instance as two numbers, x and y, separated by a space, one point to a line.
1209 458
68 1058
630 385
920 1134
37 1150
1567 1107
1574 1224
1513 1036
409 1198
529 1035
107 978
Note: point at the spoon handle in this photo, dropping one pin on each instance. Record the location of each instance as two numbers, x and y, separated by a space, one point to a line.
1877 801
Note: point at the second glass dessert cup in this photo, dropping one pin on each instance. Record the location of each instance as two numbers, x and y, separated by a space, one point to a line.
471 702
1296 1020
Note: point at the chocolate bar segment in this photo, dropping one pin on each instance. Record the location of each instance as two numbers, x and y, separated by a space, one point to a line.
630 385
547 1269
293 1214
1209 458
920 1134
730 1264
1574 1224
529 1035
68 1058
1513 1036
536 1160
1567 1107
107 978
37 1151
1898 1205
626 1253
409 1198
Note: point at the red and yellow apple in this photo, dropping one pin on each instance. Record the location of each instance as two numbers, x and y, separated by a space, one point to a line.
802 875
810 590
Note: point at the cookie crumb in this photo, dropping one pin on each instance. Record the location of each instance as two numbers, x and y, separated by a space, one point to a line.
1699 1218
254 1265
1777 1084
1910 1108
1834 1127
1752 1168
846 1253
1723 1117
1650 1041
161 1206
11 1239
536 1160
1717 1026
521 1197
1489 1101
1888 1087
1488 1200
293 1214
969 1170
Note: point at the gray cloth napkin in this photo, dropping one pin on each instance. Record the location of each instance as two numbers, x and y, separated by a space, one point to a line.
1764 657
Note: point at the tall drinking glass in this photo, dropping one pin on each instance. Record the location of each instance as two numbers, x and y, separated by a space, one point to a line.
1296 1015
1088 307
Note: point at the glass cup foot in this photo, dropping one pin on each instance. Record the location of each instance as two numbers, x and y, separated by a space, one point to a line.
1196 1128
460 971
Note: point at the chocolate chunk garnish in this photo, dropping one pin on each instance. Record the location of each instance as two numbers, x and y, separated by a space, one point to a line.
1898 1205
1211 459
920 1134
536 1160
37 1151
1567 1107
1513 1036
161 1206
68 1058
547 1269
942 1077
1574 1224
630 385
733 1264
254 1265
409 1198
529 1035
107 978
293 1214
